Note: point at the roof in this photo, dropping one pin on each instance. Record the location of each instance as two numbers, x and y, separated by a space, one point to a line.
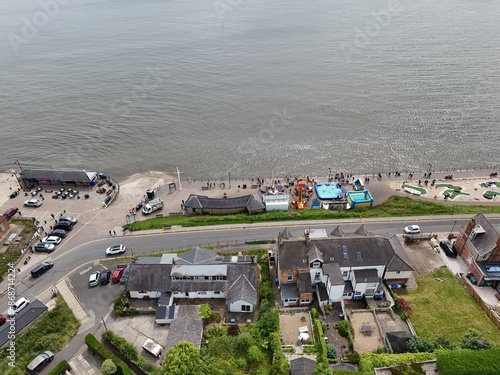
302 366
399 260
337 232
63 175
485 242
314 254
398 341
286 235
23 319
289 291
209 270
242 290
149 277
334 273
304 282
195 256
361 231
251 202
186 328
366 276
166 312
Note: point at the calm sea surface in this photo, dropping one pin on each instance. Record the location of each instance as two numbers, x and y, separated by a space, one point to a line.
250 87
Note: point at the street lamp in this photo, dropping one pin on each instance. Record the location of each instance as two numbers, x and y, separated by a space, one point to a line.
17 162
229 180
430 166
329 174
450 236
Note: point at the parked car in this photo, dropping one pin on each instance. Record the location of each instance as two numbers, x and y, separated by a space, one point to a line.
33 203
105 277
18 306
448 248
3 319
94 278
41 268
116 249
66 226
14 194
412 229
44 247
56 240
125 275
67 222
40 361
117 273
58 233
11 212
72 219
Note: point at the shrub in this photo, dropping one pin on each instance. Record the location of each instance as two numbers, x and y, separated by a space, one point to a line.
403 308
60 368
344 328
353 357
419 344
108 367
216 317
122 306
331 351
97 348
468 362
233 330
204 311
474 340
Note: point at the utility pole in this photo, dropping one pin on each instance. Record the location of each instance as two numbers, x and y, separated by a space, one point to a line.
179 178
229 180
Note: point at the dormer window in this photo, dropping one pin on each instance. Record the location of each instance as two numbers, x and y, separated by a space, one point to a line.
316 264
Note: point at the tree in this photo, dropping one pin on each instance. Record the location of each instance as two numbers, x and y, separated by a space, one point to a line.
108 367
205 312
420 345
182 359
254 355
474 340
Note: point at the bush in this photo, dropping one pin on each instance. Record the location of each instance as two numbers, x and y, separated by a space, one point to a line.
233 330
403 308
468 362
122 306
60 368
331 351
215 317
108 367
97 348
344 328
419 344
353 357
474 340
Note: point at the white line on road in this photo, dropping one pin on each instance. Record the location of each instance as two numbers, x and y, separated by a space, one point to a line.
85 271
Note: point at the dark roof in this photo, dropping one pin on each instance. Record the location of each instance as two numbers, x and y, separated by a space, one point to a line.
70 175
337 232
314 254
323 294
186 328
366 276
289 291
195 256
286 235
251 202
166 312
149 277
334 273
242 290
302 366
398 341
485 242
361 231
491 270
304 282
165 298
347 251
23 319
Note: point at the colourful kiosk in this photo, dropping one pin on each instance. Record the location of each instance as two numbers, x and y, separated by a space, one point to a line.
361 198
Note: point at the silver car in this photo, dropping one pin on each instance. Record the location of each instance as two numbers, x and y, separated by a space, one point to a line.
33 203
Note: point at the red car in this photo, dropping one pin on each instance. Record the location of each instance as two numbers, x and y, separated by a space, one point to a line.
3 319
11 212
117 273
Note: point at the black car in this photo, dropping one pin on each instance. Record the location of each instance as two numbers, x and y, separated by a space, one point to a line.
14 194
68 222
58 233
64 226
448 248
41 268
105 277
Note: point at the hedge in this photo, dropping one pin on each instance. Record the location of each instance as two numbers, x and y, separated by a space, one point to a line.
322 356
468 362
97 348
370 361
60 368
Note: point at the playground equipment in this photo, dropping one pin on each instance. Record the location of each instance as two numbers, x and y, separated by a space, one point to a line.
300 203
361 198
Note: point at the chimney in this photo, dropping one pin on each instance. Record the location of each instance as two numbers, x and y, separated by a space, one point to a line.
308 237
280 238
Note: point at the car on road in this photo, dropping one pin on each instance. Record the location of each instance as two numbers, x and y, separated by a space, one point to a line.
3 319
33 203
11 212
14 194
105 276
448 248
18 306
117 273
71 219
41 268
40 361
412 229
58 233
116 249
52 239
94 278
45 247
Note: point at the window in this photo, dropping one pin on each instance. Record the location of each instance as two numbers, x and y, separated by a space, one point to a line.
316 264
357 293
344 274
305 300
398 272
289 277
317 275
245 308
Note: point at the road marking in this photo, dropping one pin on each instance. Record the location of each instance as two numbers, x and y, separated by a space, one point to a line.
85 271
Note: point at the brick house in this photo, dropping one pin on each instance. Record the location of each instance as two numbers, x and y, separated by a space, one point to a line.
478 244
4 226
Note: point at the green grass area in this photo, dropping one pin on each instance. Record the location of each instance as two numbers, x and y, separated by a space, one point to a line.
445 308
421 190
394 206
51 332
483 185
452 194
490 194
449 186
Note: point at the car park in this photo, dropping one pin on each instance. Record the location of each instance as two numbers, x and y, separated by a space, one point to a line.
448 248
71 219
58 233
412 229
40 361
33 203
52 239
18 306
66 226
11 212
105 277
44 247
41 268
94 278
116 249
117 273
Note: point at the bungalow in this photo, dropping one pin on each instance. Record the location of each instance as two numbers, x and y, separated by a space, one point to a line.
478 244
201 204
338 266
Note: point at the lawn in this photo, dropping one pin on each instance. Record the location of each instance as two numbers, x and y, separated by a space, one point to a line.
51 332
395 206
445 308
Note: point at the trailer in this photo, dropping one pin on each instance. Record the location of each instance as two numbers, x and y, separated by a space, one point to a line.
152 347
152 206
